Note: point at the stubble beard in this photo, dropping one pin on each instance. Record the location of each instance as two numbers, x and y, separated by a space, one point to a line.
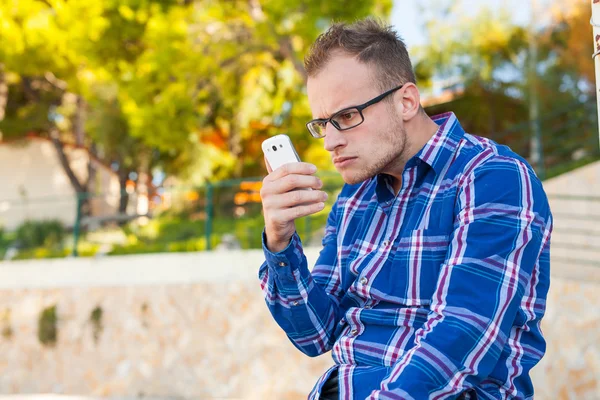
393 153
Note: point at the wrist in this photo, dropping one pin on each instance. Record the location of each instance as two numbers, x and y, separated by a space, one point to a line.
275 246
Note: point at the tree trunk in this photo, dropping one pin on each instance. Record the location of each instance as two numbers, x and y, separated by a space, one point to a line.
75 183
90 183
79 123
123 196
3 94
489 97
287 50
79 132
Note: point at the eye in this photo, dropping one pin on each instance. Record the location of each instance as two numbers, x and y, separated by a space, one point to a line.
347 116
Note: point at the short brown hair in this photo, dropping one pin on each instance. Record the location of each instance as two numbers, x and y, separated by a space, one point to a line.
372 42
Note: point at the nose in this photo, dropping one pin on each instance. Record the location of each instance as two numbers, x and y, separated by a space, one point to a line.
333 138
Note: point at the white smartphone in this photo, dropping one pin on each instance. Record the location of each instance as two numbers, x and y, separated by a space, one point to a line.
279 150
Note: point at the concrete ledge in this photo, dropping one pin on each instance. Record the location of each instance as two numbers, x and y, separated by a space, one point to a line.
175 268
147 269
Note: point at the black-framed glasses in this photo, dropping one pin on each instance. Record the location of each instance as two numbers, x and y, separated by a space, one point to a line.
347 118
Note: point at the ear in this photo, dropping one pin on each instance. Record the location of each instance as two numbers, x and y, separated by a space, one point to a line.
410 101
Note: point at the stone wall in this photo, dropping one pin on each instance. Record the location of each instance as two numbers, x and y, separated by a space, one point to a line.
195 326
575 202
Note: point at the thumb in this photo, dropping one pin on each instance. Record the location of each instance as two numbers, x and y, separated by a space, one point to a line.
268 166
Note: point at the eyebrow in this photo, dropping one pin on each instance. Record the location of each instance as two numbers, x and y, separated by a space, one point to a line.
341 109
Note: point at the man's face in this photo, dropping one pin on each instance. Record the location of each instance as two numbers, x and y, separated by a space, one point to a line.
374 146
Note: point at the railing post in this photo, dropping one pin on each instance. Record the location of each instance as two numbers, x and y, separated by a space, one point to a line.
209 214
595 21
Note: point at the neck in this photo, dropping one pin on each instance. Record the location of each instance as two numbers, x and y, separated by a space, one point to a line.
418 132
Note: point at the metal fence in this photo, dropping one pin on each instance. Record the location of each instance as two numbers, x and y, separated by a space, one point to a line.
227 214
224 214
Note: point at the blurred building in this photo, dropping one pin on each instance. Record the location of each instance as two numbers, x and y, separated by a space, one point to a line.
35 186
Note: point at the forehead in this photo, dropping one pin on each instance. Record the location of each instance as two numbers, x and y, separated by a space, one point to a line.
343 82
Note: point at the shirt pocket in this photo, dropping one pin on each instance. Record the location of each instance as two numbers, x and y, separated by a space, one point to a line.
416 266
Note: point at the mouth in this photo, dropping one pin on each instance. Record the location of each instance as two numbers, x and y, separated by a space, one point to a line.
341 162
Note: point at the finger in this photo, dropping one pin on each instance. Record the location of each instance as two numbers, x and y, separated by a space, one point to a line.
295 198
293 182
290 214
267 165
300 168
289 183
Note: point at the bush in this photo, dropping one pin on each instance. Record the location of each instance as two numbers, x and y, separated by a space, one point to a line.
50 233
3 242
41 253
176 229
47 327
139 247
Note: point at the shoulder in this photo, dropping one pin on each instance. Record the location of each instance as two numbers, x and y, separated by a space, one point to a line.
477 154
494 173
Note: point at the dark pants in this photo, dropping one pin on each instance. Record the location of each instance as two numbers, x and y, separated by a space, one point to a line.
330 390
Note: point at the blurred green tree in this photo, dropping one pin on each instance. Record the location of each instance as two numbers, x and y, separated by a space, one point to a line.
190 87
483 60
480 59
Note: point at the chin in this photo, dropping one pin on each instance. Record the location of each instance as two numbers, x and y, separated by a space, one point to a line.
354 177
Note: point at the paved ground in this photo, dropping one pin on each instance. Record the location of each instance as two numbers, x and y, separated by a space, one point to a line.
71 397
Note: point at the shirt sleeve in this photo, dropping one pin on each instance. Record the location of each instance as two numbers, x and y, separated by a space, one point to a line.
486 291
304 304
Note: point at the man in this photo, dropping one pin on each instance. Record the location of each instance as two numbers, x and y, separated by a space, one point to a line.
435 268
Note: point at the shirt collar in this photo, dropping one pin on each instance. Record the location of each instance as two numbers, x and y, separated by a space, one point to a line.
438 151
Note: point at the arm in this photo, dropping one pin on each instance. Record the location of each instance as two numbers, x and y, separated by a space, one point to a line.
487 283
305 305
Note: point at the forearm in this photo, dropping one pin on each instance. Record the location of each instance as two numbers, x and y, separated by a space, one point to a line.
302 308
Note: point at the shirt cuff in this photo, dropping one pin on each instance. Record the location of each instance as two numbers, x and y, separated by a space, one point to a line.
284 262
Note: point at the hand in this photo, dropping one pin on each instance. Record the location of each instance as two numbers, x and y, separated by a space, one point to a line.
283 203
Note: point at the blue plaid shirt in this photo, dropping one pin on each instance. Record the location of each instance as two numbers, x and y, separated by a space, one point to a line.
436 293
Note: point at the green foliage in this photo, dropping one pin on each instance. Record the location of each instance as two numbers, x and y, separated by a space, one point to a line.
96 321
41 253
140 246
179 229
192 87
4 242
42 239
47 326
7 330
48 233
487 60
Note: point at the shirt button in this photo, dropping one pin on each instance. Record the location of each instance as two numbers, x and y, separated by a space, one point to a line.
386 243
342 321
353 332
282 264
364 280
295 303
